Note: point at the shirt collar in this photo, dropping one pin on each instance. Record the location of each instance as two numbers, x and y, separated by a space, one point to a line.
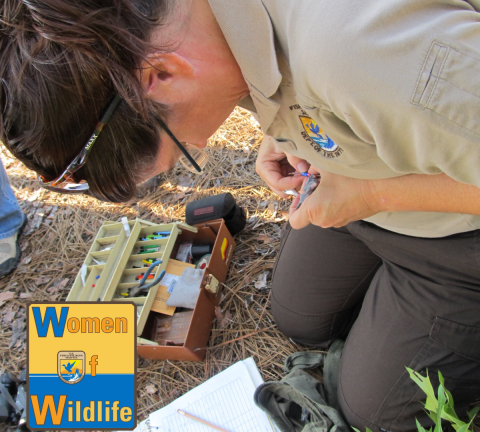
248 30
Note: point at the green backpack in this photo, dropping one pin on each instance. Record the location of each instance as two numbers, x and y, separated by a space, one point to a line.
300 403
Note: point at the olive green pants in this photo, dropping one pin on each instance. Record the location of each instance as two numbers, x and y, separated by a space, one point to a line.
400 301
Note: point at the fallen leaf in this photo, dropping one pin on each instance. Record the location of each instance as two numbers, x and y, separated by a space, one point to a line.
262 280
62 284
265 238
260 285
6 296
53 212
273 206
25 295
18 328
185 189
34 196
42 280
222 298
261 251
223 318
240 161
185 180
151 389
179 196
8 317
248 301
277 229
52 290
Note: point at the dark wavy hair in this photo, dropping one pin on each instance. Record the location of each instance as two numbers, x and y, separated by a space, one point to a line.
61 62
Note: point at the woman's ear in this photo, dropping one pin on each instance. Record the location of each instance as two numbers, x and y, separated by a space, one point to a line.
163 75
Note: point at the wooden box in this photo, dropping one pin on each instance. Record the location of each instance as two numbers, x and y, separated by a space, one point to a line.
107 271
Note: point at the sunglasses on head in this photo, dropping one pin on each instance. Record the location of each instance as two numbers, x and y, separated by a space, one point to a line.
65 183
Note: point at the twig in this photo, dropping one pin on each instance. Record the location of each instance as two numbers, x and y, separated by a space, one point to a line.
237 339
264 308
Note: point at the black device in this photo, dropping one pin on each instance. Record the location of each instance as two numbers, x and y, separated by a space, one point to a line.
13 400
221 206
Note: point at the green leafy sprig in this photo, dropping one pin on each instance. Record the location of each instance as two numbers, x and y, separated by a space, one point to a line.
439 407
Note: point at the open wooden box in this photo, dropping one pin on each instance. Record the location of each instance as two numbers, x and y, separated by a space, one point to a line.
108 272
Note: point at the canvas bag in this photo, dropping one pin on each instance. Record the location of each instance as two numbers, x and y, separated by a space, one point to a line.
300 403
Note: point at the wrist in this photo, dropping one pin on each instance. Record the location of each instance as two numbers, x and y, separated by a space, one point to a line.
375 195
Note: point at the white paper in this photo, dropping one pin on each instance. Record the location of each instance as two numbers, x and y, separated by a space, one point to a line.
126 227
257 380
168 279
83 273
184 252
225 400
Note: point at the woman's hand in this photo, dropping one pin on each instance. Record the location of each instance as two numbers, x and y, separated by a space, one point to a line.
337 201
274 166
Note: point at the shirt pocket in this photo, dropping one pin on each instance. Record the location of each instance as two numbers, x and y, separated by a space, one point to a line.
449 85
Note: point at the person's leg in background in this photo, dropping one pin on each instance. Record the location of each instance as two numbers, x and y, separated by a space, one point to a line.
421 311
319 280
12 222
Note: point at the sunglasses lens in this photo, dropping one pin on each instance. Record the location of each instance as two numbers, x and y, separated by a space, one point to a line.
67 188
198 155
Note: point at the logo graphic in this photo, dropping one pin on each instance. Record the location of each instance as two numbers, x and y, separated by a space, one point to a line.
81 365
71 366
317 135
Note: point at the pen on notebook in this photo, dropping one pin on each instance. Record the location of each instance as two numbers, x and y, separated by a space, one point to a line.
201 421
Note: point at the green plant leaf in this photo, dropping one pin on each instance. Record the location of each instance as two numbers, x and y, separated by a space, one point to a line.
420 427
449 406
441 403
473 412
463 428
440 378
442 408
433 416
424 383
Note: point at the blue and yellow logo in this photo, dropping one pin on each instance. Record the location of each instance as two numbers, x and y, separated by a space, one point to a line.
317 135
81 366
71 366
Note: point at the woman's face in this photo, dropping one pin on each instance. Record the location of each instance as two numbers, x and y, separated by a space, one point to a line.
200 82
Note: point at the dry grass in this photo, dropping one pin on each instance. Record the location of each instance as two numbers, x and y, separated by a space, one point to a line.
59 235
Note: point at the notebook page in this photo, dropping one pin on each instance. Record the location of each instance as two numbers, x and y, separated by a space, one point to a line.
257 380
225 400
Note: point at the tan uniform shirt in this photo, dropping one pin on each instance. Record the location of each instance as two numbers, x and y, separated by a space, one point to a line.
368 89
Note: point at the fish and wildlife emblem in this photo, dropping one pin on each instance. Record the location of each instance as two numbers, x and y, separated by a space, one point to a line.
71 366
317 135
